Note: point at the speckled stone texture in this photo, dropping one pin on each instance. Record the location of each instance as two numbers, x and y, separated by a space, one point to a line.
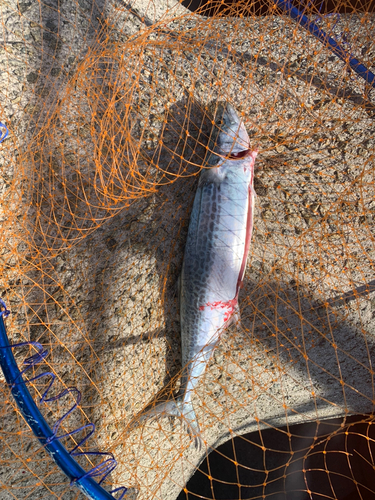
305 346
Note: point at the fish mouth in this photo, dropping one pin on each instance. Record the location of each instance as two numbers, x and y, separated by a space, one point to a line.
241 154
228 136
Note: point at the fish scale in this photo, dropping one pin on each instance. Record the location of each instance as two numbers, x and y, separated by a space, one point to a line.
215 256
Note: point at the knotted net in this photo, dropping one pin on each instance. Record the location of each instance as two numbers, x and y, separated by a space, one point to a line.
107 105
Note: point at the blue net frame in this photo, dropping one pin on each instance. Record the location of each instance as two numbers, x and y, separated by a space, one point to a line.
48 437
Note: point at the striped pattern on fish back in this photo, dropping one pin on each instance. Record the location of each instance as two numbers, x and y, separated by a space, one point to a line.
214 253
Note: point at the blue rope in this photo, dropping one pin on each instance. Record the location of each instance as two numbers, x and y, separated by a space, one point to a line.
47 436
335 47
5 135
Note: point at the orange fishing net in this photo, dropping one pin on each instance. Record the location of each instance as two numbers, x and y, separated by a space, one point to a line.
107 105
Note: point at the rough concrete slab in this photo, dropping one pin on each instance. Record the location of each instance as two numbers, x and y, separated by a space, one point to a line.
107 304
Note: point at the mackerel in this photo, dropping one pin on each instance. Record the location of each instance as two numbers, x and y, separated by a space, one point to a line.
215 257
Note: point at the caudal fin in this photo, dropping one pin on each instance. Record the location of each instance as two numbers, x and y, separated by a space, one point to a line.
180 409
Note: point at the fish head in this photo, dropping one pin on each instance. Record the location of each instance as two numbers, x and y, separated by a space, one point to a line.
229 135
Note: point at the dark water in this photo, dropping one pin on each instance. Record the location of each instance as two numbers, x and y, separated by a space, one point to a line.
347 452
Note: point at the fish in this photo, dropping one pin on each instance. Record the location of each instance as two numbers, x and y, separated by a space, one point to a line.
215 257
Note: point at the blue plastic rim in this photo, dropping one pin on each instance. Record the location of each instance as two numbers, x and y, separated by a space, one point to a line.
48 437
330 42
3 135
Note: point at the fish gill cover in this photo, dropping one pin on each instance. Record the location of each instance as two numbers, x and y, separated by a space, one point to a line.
105 111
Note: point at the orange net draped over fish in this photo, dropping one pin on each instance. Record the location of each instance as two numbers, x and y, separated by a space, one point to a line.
108 108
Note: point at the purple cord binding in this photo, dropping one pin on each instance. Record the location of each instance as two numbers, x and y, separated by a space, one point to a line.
3 136
47 436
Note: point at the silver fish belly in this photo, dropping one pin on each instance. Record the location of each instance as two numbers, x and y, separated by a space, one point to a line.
215 257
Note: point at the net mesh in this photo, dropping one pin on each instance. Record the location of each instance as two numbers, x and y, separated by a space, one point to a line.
107 108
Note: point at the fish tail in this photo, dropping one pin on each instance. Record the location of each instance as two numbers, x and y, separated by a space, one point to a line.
189 417
181 409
